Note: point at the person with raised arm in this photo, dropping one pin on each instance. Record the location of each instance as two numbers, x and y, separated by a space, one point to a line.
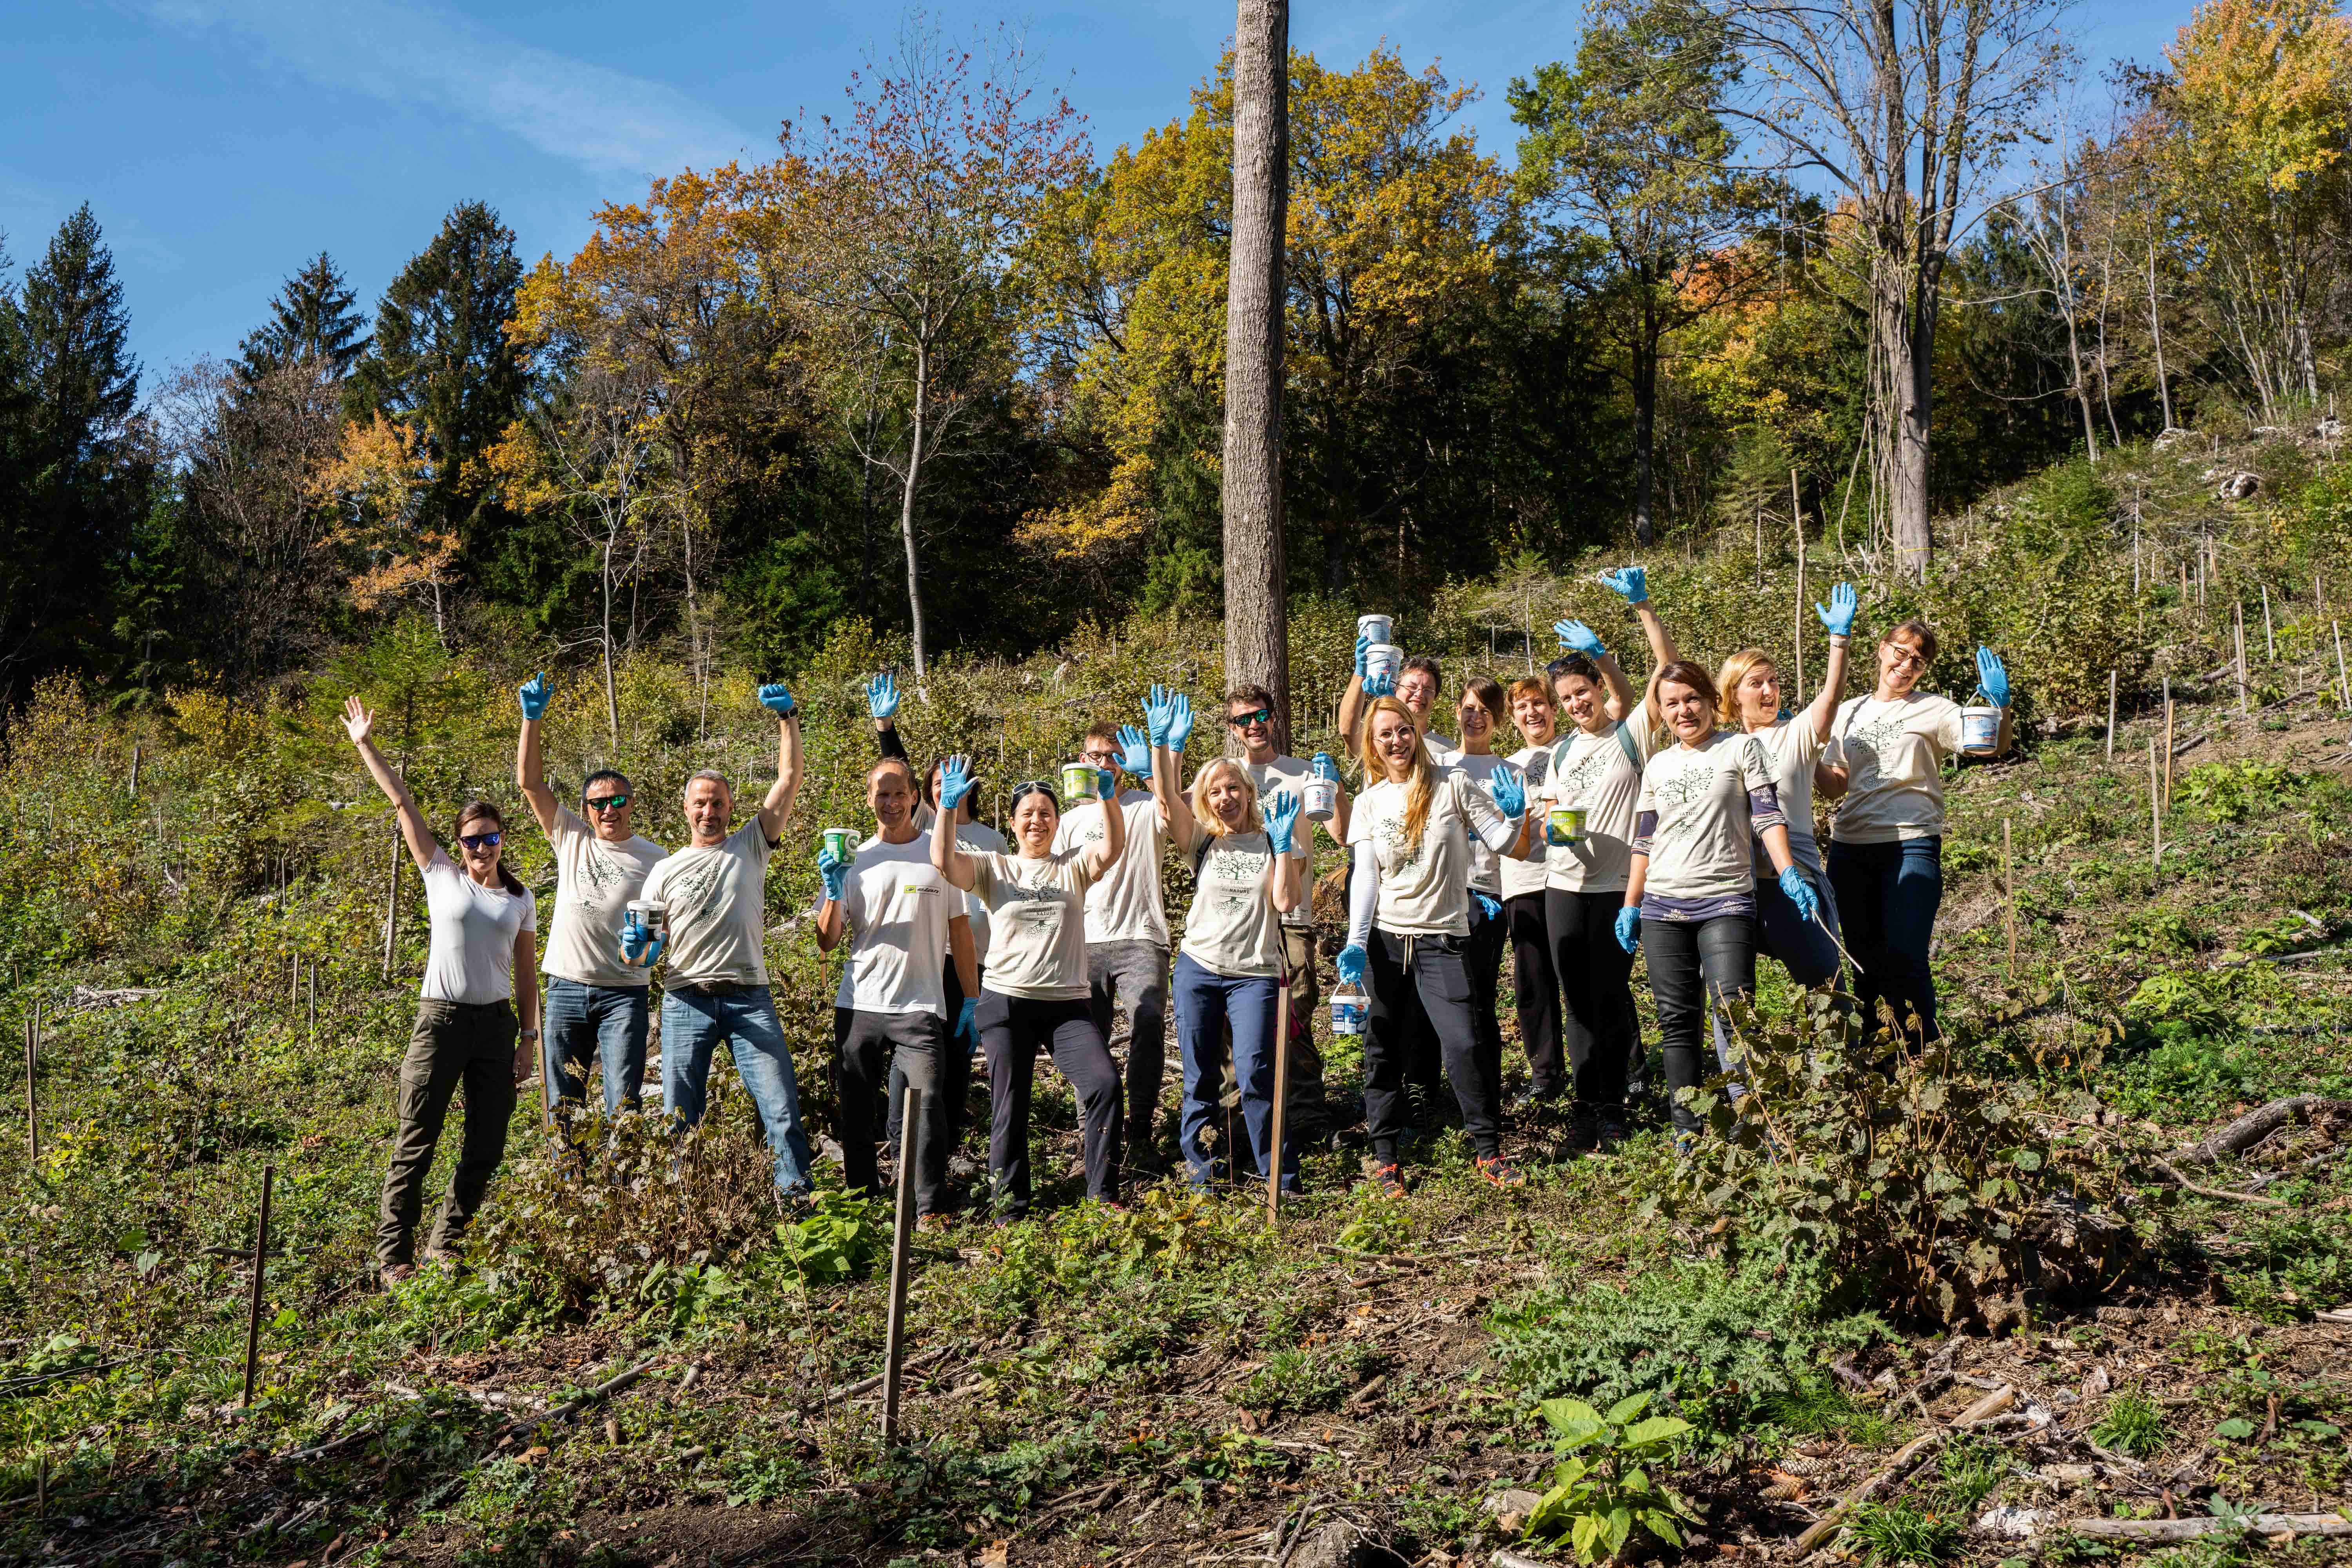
1409 927
1418 683
595 1004
1534 981
1034 991
1476 716
1690 891
899 917
1127 926
476 1022
1246 876
716 987
1596 769
1885 762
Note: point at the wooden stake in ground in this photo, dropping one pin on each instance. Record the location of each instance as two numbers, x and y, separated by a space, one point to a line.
2111 715
2342 687
1281 1093
2168 744
2270 643
2238 630
135 767
894 1348
260 1266
391 900
32 1107
2155 810
2009 895
314 1001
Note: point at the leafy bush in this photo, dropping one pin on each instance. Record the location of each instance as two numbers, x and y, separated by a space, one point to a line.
2287 1266
2232 792
1932 1192
1602 1490
840 1242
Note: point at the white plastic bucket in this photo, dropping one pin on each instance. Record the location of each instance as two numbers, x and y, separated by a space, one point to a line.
1979 730
1380 629
841 843
1349 1006
1321 799
648 916
1382 659
1080 782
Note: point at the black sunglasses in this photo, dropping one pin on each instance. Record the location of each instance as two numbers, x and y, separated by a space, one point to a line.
1244 720
479 840
606 802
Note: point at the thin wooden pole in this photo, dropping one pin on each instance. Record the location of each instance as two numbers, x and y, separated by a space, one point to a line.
1797 516
260 1266
2155 810
390 902
313 972
895 1349
135 767
2342 687
2111 715
2238 630
1281 1092
2167 743
2270 643
32 1105
2009 895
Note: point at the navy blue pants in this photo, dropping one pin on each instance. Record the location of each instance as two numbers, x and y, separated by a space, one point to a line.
1888 895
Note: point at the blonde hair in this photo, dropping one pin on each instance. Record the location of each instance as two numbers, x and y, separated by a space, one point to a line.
1421 787
1208 818
1727 681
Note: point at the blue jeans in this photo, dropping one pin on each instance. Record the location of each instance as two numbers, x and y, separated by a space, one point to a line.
607 1020
694 1020
1206 1003
1889 894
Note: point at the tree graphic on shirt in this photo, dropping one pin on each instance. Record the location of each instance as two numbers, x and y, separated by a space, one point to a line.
693 887
1680 798
1867 743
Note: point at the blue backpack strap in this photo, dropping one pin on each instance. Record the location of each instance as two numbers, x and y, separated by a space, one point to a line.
1632 747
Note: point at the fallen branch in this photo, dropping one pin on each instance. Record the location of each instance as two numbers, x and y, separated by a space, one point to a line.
2202 1191
868 1385
1983 1410
2170 1529
571 1409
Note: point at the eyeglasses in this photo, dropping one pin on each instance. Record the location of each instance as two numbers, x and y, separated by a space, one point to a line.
1244 720
479 840
1104 759
1904 655
606 802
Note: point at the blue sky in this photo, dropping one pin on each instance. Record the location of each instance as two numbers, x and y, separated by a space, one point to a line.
222 142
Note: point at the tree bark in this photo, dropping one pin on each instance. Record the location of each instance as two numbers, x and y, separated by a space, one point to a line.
2156 330
1910 338
1646 416
906 511
1257 638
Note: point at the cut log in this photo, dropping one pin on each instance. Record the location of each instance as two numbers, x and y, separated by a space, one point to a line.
2256 1125
2160 1530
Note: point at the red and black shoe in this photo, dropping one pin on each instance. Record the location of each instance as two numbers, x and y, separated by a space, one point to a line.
1500 1172
1389 1182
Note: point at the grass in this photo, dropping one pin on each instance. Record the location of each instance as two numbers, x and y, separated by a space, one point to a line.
2131 1425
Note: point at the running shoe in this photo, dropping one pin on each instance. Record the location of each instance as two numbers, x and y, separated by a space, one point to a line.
1500 1172
1389 1182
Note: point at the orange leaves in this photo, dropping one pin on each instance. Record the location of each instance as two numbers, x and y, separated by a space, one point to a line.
376 485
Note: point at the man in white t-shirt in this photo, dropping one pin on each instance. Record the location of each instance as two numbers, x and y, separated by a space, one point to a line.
1127 929
595 1001
899 917
1418 686
716 987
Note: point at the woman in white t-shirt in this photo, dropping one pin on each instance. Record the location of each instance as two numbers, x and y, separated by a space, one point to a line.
1885 761
1228 970
1534 977
1034 989
1478 715
1690 892
482 958
1409 928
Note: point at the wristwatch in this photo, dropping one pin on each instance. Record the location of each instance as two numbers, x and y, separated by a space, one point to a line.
530 1033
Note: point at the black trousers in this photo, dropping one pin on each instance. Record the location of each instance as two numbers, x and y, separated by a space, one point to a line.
1429 975
1534 991
1484 954
1692 963
1596 990
955 1081
1013 1029
911 1048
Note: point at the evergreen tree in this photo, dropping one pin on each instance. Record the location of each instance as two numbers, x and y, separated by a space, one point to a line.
441 363
311 318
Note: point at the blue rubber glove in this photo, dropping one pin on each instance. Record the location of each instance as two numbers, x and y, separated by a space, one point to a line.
1578 637
1135 751
1179 721
1105 783
1837 615
1363 653
533 695
1509 788
1630 581
1629 929
1380 686
776 700
1800 893
968 1020
836 872
1486 905
1280 811
640 947
1352 958
1158 713
1324 768
882 695
1991 678
955 782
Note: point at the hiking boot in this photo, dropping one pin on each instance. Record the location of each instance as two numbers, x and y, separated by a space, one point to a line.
1500 1172
392 1274
1612 1130
1389 1182
1583 1132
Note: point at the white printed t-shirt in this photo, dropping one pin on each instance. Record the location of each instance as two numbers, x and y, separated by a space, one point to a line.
1037 924
1231 929
1486 865
1424 886
1529 876
1593 771
595 884
1792 747
716 899
1708 800
1124 905
1893 753
897 906
471 956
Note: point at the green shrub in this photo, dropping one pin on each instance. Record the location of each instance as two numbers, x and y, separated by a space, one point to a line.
1602 1490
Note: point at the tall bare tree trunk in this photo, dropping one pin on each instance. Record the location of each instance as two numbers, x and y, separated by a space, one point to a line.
1645 417
906 511
1257 632
2156 327
1910 348
612 700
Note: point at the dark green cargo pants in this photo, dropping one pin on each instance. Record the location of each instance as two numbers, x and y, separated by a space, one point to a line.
453 1043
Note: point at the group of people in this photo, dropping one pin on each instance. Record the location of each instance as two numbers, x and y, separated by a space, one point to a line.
1675 821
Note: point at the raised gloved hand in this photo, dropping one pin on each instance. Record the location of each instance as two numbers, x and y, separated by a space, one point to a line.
1325 767
1135 751
968 1020
1352 958
533 695
1992 680
836 872
1364 654
1380 686
776 700
1837 615
1629 928
1578 637
1180 720
882 695
1105 783
1158 714
1799 890
955 782
1509 788
1280 811
1487 905
1630 581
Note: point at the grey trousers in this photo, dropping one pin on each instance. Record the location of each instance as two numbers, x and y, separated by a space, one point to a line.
453 1044
1134 974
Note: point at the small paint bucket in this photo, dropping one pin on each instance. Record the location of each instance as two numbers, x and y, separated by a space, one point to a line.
1347 1009
841 843
1321 799
1080 782
1380 629
1382 659
650 916
1564 825
1979 730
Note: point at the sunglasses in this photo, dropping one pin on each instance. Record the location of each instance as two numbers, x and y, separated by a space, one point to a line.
480 840
1244 720
606 802
1033 786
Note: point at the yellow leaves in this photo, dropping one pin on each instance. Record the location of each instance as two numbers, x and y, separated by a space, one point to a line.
376 485
2260 88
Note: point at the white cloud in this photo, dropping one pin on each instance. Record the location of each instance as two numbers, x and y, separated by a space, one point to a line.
600 118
